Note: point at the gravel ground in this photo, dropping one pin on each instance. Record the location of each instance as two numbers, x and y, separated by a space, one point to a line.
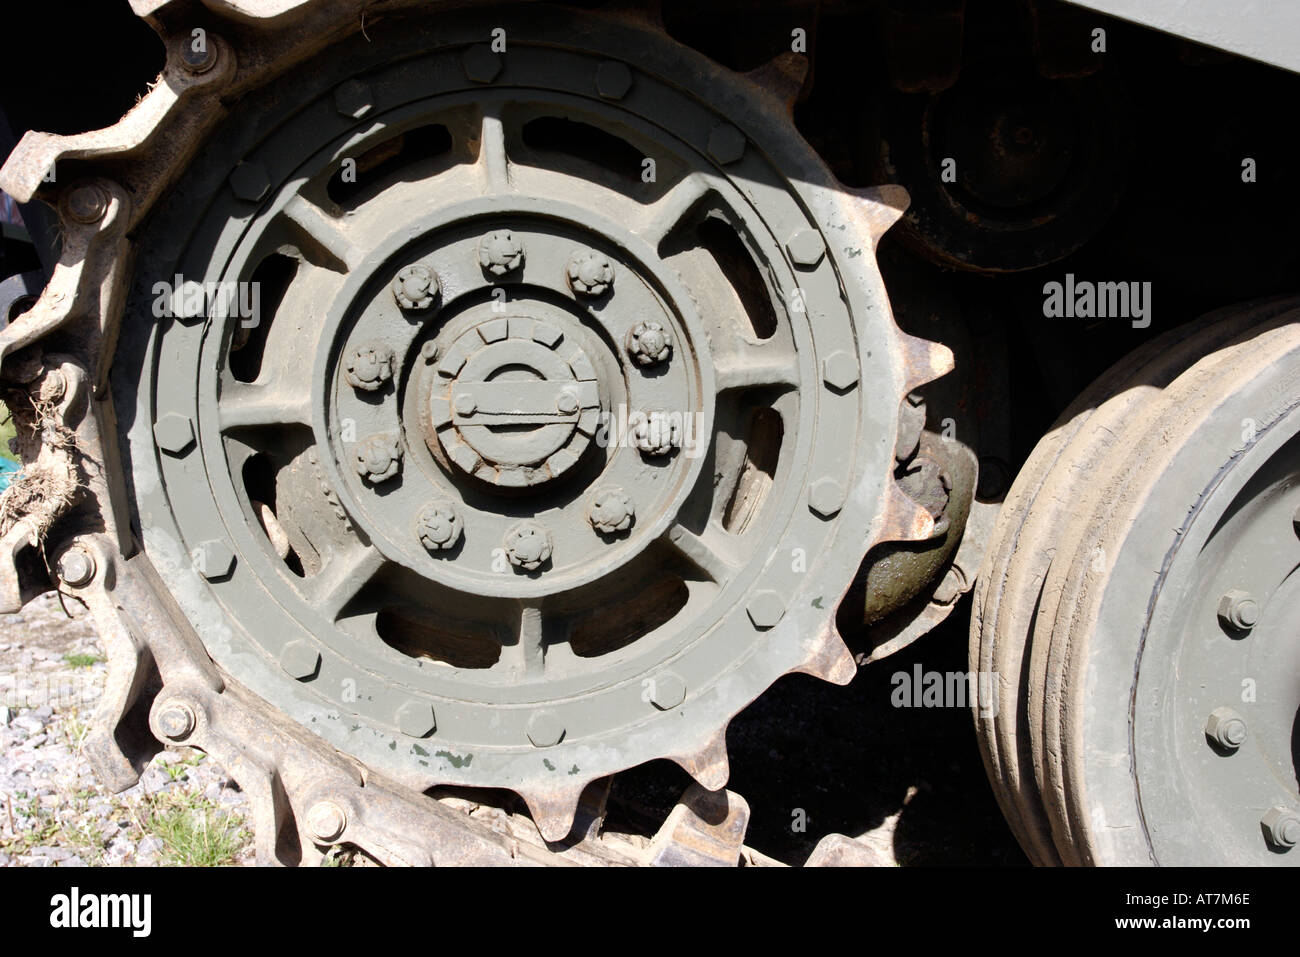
810 758
184 810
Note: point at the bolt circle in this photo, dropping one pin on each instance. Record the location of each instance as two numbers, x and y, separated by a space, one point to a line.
648 343
500 251
415 287
1238 611
177 720
528 546
369 366
76 567
378 457
589 273
326 821
611 511
438 526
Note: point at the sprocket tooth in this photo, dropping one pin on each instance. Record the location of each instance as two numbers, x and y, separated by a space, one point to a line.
880 207
904 519
782 77
554 809
826 656
923 361
708 765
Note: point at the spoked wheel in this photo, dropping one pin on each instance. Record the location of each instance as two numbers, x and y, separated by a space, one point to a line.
503 419
1138 605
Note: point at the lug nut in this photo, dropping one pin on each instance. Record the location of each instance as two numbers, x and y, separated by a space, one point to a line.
76 567
415 287
438 526
528 546
655 435
611 511
379 457
369 367
590 273
201 60
176 720
1238 610
648 343
1281 827
464 404
429 351
1226 728
567 402
500 251
326 821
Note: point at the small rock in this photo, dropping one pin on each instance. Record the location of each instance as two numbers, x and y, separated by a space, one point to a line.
53 853
168 757
5 716
29 723
36 740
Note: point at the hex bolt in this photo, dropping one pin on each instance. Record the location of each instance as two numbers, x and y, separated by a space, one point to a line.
438 526
648 343
369 366
415 287
826 497
429 351
249 181
353 98
1281 827
840 371
481 64
76 567
379 457
726 143
611 511
545 729
667 691
464 404
1238 611
214 559
177 720
613 80
300 660
566 402
87 203
1226 728
589 273
416 719
326 821
174 433
500 251
528 545
806 248
765 608
655 435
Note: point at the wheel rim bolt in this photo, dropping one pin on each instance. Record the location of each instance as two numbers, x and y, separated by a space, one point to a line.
326 821
611 511
1226 728
415 287
1281 827
369 367
500 251
379 457
648 343
438 526
590 273
528 545
465 404
1238 610
654 435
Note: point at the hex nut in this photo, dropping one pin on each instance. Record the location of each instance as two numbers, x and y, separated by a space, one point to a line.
369 366
76 567
655 434
589 273
613 80
176 720
840 371
545 729
87 203
353 98
438 526
1238 611
379 457
667 691
1281 827
611 511
765 608
174 433
481 64
249 181
214 559
415 287
648 343
826 497
416 719
726 143
528 546
300 660
1226 728
500 252
326 821
806 248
